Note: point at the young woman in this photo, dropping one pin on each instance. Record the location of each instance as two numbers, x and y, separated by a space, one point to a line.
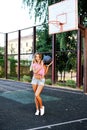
38 81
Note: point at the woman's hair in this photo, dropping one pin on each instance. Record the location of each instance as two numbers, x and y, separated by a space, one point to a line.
40 56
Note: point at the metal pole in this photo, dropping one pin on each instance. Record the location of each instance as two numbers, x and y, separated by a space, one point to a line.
6 54
85 62
34 40
19 42
53 58
79 60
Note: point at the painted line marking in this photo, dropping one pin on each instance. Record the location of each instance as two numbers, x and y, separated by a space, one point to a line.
58 124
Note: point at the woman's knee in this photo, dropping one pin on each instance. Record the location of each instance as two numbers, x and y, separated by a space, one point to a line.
36 95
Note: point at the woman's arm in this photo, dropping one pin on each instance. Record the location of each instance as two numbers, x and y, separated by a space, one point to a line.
47 67
50 63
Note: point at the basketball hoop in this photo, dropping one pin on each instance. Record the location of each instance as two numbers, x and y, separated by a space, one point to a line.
62 18
58 24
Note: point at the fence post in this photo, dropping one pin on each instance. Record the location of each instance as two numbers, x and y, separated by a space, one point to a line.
6 54
85 62
19 42
78 78
53 58
34 40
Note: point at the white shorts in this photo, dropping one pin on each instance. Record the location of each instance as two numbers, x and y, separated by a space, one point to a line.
38 81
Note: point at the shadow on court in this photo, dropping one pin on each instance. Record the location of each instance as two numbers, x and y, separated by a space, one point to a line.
64 109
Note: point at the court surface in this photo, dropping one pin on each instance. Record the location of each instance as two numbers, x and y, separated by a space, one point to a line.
64 109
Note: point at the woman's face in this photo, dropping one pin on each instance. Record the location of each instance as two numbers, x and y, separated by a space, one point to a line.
37 57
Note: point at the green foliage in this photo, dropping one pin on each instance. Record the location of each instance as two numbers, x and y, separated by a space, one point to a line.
1 52
39 8
71 83
2 71
61 83
61 61
25 62
68 83
12 63
82 7
66 54
2 62
48 81
44 43
26 78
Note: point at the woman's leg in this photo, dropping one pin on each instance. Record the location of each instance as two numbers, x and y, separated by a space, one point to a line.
37 95
36 101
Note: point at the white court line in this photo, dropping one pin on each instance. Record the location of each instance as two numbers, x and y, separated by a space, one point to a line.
58 124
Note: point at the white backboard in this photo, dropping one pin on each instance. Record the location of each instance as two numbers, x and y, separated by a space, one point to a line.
63 16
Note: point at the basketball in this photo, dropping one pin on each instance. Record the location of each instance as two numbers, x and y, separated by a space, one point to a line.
47 59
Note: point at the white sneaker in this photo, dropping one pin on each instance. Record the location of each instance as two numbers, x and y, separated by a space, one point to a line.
37 112
42 111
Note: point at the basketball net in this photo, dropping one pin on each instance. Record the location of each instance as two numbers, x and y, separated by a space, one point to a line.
58 24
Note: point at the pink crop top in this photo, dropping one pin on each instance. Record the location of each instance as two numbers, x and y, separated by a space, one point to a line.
40 67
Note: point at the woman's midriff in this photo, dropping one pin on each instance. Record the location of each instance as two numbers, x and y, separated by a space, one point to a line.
38 76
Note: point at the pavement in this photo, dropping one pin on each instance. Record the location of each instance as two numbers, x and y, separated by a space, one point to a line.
64 109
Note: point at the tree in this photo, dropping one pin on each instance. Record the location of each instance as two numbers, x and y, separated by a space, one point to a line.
1 50
44 43
40 8
2 72
66 53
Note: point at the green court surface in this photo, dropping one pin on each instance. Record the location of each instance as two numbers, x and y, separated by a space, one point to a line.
26 97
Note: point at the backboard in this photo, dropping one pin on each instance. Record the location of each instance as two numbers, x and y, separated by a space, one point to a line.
63 16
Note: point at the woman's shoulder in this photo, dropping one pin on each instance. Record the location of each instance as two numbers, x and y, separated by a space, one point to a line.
34 64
